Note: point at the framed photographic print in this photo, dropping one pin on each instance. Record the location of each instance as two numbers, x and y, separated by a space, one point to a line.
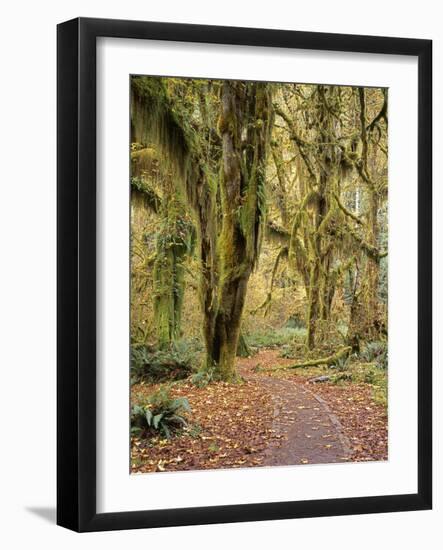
244 274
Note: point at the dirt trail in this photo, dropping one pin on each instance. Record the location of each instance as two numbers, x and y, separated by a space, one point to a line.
305 430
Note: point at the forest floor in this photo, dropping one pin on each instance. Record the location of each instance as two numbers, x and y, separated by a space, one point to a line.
275 417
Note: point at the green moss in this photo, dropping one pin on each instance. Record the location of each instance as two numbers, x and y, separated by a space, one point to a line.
174 242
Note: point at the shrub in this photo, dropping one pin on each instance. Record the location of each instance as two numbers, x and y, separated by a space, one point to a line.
376 352
243 349
295 321
341 363
176 363
276 337
369 377
202 378
160 413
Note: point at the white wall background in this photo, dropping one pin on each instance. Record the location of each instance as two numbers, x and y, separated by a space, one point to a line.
27 274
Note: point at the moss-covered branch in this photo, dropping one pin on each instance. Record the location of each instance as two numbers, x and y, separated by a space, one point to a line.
142 192
330 360
382 114
277 234
370 250
346 211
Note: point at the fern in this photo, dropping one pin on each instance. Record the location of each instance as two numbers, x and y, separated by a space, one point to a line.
160 413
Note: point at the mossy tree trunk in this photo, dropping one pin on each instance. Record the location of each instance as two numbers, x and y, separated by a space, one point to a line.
325 213
364 320
173 244
244 125
314 131
225 192
372 265
313 306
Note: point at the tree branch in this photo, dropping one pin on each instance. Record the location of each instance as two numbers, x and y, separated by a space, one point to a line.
346 211
330 360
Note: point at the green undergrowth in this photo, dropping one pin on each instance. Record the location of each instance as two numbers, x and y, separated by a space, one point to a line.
151 365
159 413
274 338
353 371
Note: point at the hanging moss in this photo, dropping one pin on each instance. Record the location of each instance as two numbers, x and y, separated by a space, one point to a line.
154 121
143 193
174 242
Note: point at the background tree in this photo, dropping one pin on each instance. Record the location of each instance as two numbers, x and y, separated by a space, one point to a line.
340 158
155 191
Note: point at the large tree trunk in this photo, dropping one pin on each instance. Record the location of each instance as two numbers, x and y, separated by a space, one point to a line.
245 112
234 270
223 348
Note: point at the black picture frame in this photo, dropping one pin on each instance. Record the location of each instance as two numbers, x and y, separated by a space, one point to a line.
76 280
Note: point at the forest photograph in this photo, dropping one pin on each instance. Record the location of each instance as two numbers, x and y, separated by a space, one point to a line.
259 274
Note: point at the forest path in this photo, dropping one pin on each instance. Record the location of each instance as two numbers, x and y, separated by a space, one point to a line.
305 431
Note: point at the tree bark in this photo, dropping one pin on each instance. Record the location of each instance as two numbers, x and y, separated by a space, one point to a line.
244 112
372 265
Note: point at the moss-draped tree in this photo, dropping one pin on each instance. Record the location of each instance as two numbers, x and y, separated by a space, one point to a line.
244 125
225 188
174 241
337 150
